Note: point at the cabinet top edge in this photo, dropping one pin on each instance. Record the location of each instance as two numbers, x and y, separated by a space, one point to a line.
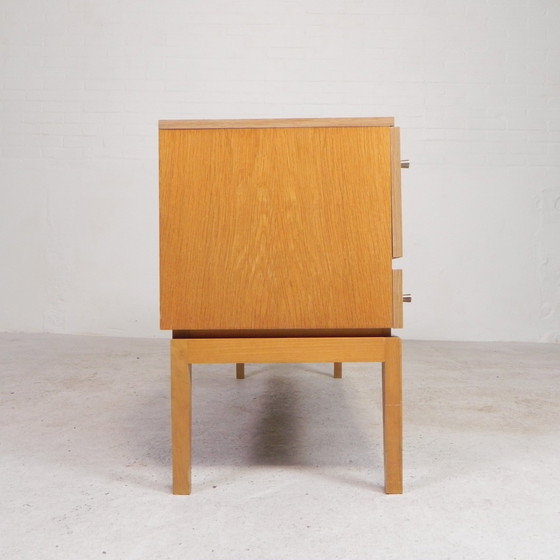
277 123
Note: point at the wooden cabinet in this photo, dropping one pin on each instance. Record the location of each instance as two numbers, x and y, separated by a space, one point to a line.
279 231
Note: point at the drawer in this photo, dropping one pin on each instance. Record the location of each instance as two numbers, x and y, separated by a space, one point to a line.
396 211
397 300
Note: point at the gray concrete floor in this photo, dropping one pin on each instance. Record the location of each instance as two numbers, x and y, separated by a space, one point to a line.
287 463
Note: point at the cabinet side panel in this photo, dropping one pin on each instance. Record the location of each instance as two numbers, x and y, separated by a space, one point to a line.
276 228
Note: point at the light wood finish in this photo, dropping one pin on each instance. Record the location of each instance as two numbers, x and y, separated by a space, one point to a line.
181 420
276 245
185 352
280 350
397 299
392 416
396 210
338 370
285 228
275 123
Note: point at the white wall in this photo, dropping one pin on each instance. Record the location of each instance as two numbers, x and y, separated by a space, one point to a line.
474 85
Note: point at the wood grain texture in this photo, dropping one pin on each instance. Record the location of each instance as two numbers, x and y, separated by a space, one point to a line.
392 416
181 420
282 228
275 123
396 203
397 300
280 350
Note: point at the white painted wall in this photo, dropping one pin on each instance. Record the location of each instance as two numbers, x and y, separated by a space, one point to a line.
474 85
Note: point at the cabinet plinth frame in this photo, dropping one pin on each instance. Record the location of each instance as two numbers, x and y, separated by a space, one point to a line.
185 352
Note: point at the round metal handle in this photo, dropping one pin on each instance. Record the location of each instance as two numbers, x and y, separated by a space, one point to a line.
407 298
405 163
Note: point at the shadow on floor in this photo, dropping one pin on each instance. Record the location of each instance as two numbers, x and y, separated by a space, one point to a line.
284 414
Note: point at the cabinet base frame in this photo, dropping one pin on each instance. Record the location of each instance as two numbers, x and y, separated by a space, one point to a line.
188 351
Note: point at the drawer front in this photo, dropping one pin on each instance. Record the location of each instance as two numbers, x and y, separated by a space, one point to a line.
396 212
397 300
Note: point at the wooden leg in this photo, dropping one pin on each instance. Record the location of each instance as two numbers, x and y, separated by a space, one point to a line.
338 370
392 416
240 371
181 418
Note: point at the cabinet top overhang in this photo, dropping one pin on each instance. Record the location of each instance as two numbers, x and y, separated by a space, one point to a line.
277 123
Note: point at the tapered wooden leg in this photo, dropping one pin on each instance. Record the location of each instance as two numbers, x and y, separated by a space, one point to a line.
240 371
338 370
392 416
181 418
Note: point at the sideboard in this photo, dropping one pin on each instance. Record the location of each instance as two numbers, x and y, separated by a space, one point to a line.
277 240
